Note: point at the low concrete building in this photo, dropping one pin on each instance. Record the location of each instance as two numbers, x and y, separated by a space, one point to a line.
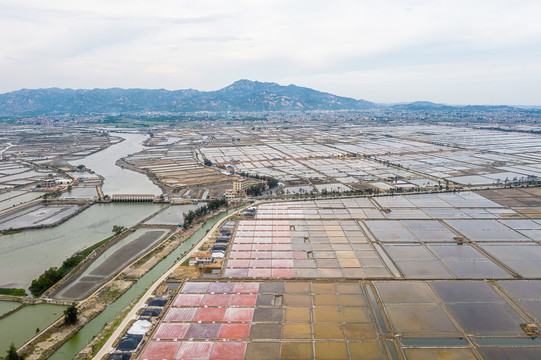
234 195
63 182
199 259
48 183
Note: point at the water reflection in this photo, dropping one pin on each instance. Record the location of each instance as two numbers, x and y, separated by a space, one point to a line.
119 180
24 256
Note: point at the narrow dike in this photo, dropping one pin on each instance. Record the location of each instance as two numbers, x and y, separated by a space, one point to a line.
88 331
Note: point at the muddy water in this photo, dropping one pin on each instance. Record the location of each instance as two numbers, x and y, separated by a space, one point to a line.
83 337
117 179
24 256
20 326
173 215
6 306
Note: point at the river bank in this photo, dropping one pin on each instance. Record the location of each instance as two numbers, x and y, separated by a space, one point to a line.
130 317
119 180
48 342
126 165
83 206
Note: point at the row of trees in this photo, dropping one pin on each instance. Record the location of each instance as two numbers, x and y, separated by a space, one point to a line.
255 190
369 191
47 279
271 182
192 215
54 274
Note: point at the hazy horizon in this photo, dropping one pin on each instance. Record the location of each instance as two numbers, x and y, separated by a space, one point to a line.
460 52
377 103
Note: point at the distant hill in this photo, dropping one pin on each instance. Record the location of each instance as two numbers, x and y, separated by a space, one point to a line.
243 95
423 105
430 106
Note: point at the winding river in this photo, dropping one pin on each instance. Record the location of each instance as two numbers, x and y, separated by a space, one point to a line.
24 256
117 179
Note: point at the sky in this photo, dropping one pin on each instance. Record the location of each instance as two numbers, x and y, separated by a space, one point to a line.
449 51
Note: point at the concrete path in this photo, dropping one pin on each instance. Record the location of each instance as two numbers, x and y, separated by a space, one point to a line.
117 259
132 315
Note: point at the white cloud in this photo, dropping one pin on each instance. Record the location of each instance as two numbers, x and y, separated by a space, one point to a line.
474 51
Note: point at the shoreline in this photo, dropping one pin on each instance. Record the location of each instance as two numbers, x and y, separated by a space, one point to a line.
107 346
145 262
85 205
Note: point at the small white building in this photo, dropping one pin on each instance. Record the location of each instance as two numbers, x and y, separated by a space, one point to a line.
201 259
63 181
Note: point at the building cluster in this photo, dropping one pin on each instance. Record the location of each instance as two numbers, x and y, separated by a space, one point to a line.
239 190
53 183
217 250
136 335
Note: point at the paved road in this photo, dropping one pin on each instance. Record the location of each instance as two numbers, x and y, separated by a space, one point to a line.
132 315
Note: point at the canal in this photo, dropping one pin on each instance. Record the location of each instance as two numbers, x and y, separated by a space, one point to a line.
119 180
26 255
21 325
90 330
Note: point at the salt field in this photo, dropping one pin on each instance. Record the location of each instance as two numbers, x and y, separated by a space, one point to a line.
336 279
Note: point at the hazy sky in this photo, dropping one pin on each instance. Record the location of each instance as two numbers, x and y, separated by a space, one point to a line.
452 51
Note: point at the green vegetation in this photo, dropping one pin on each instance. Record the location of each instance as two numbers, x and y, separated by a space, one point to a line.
84 253
271 182
255 190
186 262
45 281
207 162
70 315
53 274
117 229
205 209
12 292
10 231
12 353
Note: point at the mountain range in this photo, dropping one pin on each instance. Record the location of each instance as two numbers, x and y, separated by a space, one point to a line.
242 95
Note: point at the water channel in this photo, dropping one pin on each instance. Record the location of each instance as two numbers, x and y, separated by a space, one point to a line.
83 337
6 306
20 326
119 180
24 256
